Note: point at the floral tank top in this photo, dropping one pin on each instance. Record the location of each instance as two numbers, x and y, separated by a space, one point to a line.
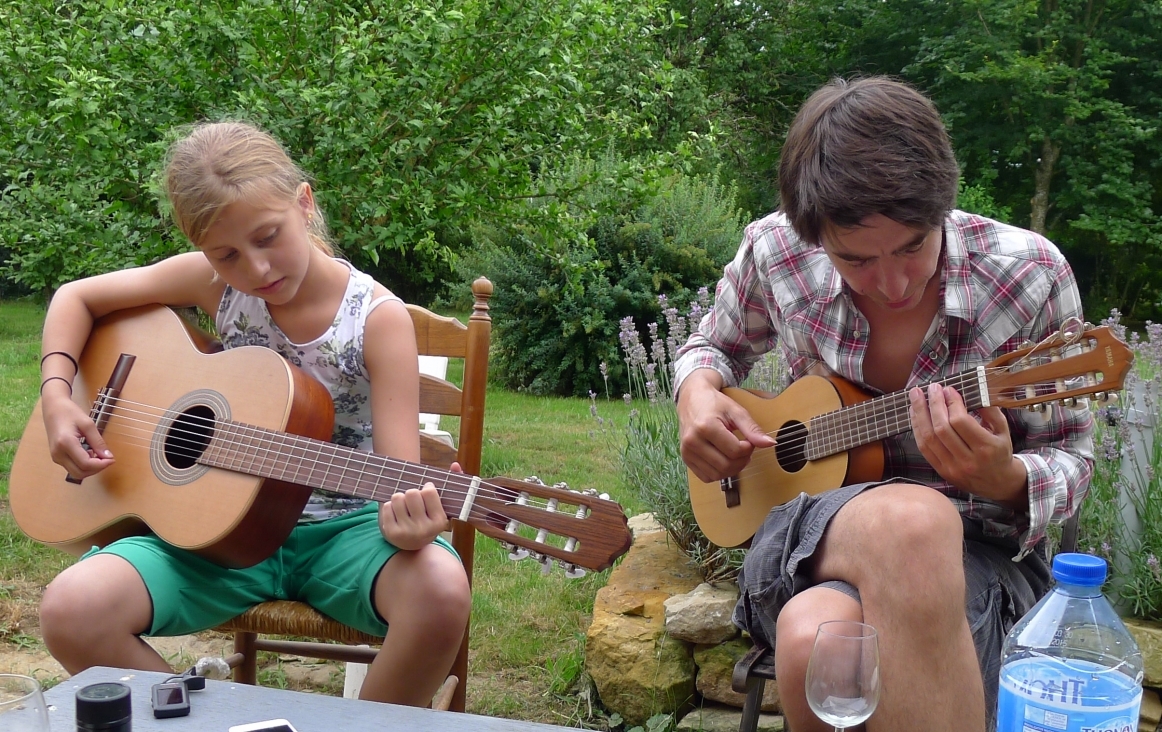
335 358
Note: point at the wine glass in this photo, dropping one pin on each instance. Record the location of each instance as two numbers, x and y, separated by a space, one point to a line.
22 707
843 675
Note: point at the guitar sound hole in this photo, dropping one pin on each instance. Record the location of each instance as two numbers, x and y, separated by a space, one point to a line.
791 447
188 436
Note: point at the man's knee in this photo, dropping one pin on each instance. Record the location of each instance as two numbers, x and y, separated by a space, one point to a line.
800 619
912 523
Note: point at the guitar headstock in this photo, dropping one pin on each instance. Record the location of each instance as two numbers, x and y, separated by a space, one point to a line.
577 529
1073 363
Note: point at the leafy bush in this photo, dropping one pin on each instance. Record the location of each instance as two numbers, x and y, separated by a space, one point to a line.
558 304
416 119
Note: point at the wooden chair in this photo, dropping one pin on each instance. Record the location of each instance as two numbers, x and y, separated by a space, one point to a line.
757 667
435 336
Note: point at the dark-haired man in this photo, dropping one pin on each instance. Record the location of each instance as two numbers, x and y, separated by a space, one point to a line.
869 272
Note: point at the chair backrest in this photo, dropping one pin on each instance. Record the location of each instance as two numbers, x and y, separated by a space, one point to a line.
445 337
440 336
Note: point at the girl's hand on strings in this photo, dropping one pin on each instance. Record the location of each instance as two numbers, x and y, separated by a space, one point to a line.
73 439
413 518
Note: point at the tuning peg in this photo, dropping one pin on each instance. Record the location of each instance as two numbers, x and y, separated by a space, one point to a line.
518 553
572 571
1069 402
1038 408
1107 397
546 565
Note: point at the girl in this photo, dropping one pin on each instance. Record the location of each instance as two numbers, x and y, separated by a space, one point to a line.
264 268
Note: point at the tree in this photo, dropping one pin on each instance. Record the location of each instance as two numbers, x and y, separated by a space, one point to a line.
1057 103
1053 106
415 119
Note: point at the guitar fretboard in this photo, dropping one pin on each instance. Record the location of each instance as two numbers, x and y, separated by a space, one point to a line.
877 419
264 453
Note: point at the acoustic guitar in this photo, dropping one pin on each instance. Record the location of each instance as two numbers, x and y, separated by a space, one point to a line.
218 453
828 431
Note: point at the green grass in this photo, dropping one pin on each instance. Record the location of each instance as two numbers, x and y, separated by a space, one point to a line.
527 637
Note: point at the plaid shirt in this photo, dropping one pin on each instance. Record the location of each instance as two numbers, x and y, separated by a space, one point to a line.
1000 287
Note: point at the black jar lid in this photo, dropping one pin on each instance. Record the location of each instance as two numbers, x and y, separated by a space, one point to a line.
102 705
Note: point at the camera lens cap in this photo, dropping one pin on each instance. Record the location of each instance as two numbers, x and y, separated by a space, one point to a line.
104 704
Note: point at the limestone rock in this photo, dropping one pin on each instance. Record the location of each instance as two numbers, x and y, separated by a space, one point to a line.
713 718
1149 637
639 670
715 668
702 616
1151 713
644 523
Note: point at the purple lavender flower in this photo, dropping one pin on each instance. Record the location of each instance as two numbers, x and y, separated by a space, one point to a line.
1155 568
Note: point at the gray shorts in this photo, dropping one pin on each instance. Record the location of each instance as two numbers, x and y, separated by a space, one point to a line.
998 591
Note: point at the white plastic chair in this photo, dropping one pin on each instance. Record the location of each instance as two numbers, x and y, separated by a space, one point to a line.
436 366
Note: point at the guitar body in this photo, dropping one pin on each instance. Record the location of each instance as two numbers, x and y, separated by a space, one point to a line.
231 518
777 475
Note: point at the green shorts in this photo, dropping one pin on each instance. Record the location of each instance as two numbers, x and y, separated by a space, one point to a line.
331 565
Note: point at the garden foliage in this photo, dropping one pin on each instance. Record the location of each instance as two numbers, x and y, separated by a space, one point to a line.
1121 518
651 462
559 302
415 119
1053 108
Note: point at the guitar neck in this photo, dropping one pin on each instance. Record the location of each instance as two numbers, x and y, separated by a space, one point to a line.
256 451
878 419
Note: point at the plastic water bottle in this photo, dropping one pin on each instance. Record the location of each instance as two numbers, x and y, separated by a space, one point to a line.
1070 665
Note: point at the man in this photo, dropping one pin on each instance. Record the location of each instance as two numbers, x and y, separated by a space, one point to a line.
868 272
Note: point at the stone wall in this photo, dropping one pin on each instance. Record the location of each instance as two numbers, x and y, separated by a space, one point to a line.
661 640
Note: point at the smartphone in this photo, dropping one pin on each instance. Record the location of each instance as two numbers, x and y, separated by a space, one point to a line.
270 725
170 700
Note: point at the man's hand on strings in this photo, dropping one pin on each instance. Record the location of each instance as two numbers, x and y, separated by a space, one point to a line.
708 420
413 518
974 456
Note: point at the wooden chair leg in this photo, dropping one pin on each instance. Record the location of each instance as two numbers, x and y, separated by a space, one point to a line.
753 704
460 671
247 671
443 698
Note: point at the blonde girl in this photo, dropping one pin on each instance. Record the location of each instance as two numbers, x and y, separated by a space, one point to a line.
264 270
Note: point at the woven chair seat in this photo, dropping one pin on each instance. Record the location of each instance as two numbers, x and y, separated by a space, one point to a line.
284 617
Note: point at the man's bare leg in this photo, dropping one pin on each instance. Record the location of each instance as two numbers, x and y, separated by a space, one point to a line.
902 546
795 637
93 613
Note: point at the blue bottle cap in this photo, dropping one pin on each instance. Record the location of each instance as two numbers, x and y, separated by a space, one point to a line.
1079 569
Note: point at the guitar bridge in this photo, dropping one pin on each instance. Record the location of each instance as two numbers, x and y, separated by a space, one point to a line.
730 490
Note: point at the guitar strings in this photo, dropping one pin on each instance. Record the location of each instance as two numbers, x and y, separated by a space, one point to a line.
887 413
263 451
798 435
143 437
477 512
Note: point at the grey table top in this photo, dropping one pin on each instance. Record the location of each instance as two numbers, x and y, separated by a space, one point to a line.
224 703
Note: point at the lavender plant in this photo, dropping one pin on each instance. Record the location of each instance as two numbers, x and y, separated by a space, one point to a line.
651 461
1121 519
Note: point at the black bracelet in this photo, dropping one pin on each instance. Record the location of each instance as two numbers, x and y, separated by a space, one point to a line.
76 368
56 377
